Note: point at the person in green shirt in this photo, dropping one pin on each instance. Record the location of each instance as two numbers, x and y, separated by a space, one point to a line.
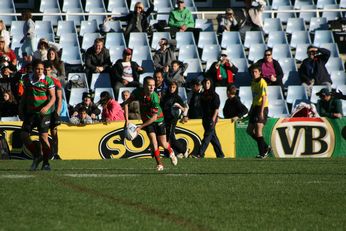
153 120
328 105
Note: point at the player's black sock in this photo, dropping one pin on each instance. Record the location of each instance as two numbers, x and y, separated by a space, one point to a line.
261 145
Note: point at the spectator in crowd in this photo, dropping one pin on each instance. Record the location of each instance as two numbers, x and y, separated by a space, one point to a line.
111 109
8 57
194 99
42 49
253 17
164 56
328 105
125 72
222 71
210 103
134 109
81 117
180 20
4 33
97 59
28 39
58 66
25 64
91 109
234 109
171 104
271 69
228 21
259 111
8 105
161 85
176 72
137 20
35 111
8 82
313 69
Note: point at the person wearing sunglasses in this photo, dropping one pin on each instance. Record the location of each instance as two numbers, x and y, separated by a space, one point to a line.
228 21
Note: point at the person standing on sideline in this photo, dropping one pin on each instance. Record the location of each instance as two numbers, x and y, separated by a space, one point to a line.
35 111
259 111
28 32
153 120
55 115
210 103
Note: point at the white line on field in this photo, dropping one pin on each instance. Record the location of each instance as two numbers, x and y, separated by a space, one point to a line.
16 176
84 175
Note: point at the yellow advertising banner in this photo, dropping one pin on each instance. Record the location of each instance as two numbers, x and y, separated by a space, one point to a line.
106 141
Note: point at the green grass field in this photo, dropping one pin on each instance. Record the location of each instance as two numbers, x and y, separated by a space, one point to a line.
208 194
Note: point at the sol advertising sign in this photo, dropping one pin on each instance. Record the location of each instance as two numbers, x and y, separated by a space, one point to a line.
302 137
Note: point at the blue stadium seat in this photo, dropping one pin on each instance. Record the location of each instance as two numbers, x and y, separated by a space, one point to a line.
323 36
130 89
78 77
163 6
157 36
147 64
242 78
235 51
42 27
245 95
284 16
194 69
138 39
278 109
222 92
318 24
335 64
54 19
88 40
7 19
207 38
281 51
76 96
141 53
71 4
69 40
276 37
182 93
342 4
118 6
272 24
256 52
295 92
71 55
115 26
184 38
17 29
275 93
307 16
100 80
65 27
211 52
230 37
289 69
295 24
332 47
98 18
299 3
188 52
276 4
76 18
99 90
204 24
322 3
93 4
338 78
114 39
116 52
162 17
329 15
300 37
253 37
49 4
301 54
88 27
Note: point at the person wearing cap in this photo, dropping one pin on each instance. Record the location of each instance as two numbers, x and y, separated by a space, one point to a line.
271 69
111 109
328 105
194 100
4 33
42 49
137 20
234 109
125 72
91 108
227 22
97 59
222 71
164 56
8 57
313 69
180 20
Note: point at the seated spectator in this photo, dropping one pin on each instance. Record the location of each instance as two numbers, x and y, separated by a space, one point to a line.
8 105
125 72
327 105
161 84
313 69
194 100
180 20
137 20
176 73
233 109
228 22
111 109
42 49
91 109
133 107
164 56
8 57
58 65
271 70
222 72
4 33
253 17
97 59
81 117
8 82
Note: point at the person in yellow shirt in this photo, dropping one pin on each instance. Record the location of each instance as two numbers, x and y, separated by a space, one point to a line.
259 111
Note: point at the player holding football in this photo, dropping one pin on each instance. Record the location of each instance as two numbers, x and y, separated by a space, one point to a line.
153 120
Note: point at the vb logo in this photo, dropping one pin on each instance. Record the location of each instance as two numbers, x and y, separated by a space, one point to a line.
303 137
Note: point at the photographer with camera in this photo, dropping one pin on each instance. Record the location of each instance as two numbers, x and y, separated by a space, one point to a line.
222 72
313 69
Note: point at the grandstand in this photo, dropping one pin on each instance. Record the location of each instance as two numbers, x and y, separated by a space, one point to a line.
289 27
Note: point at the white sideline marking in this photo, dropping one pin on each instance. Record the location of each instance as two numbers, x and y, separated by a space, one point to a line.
101 175
15 176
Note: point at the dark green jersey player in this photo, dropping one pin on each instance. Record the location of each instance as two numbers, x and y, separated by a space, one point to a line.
152 117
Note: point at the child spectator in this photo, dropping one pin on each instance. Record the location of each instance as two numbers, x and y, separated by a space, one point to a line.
233 109
81 117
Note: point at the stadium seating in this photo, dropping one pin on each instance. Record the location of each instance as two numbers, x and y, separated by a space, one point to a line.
69 40
7 6
276 4
141 53
76 18
321 4
188 52
100 80
71 55
307 16
235 51
332 47
299 3
65 27
116 52
114 39
211 52
256 52
245 95
157 36
185 38
253 37
318 24
80 77
71 4
295 24
49 4
338 78
278 109
98 18
281 51
335 64
204 24
76 96
118 6
222 92
230 37
54 19
276 37
138 39
301 54
316 88
272 24
88 27
163 6
274 93
295 92
300 37
88 40
285 16
207 38
99 90
93 4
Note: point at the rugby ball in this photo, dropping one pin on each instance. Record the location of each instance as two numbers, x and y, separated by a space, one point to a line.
130 131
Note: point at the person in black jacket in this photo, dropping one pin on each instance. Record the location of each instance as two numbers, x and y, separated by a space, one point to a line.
313 70
271 69
91 108
137 20
8 105
233 109
210 103
172 104
125 72
194 99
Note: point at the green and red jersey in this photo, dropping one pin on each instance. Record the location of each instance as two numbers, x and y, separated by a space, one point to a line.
149 105
37 93
58 87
